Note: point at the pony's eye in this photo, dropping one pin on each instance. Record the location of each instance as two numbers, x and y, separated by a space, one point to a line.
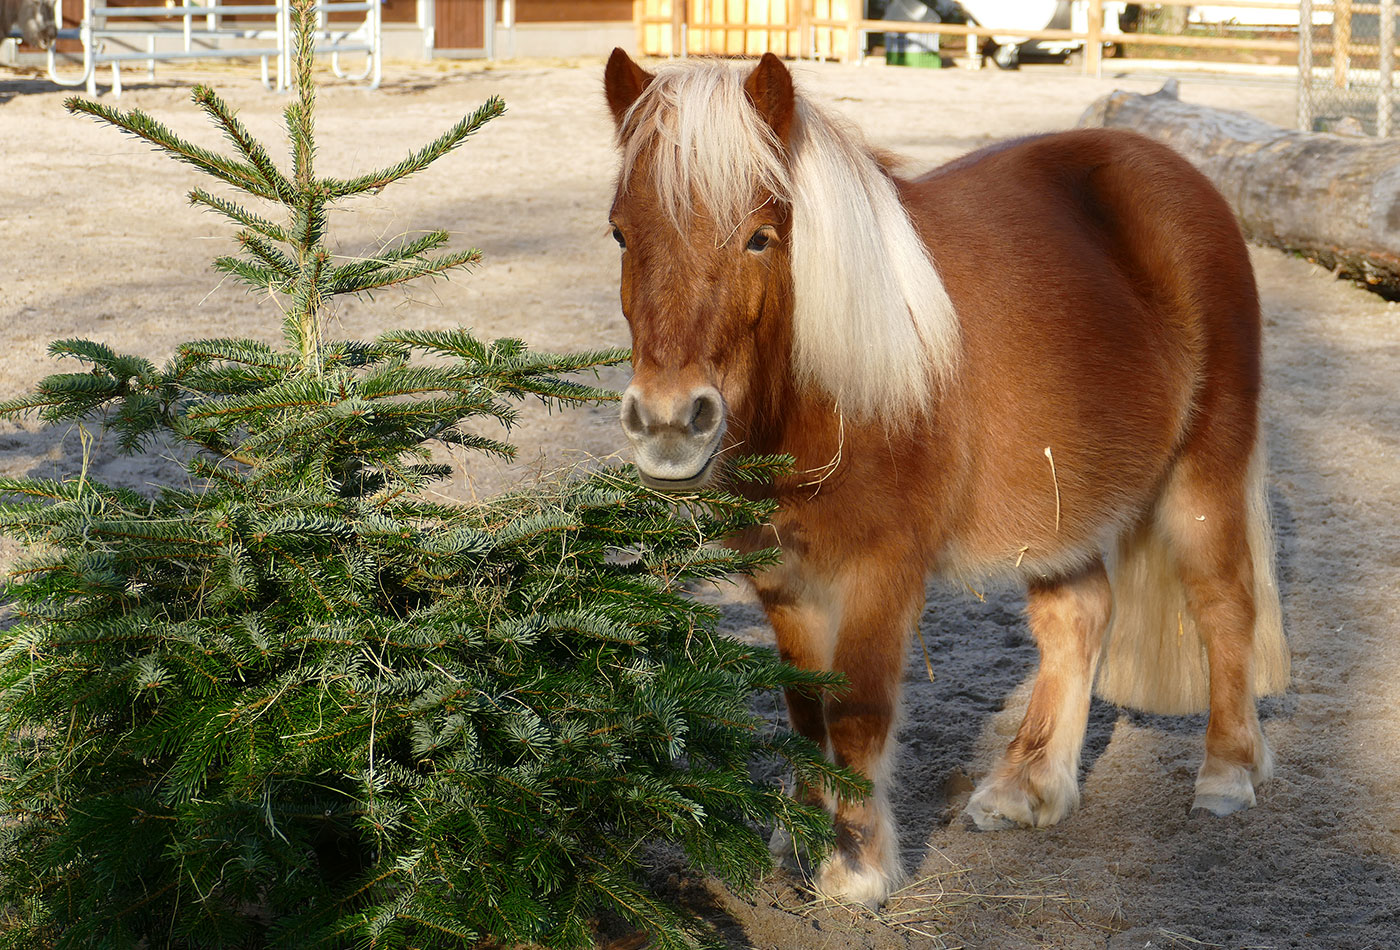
617 236
760 240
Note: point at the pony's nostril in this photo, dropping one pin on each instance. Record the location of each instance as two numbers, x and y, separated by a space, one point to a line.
632 422
706 416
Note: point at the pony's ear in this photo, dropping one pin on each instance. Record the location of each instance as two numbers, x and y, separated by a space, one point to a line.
623 81
769 88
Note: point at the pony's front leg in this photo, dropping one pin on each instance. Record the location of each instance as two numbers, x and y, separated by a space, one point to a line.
1036 783
803 615
880 601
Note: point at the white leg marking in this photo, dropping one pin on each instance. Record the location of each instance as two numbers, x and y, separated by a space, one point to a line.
865 866
868 876
1223 788
1029 795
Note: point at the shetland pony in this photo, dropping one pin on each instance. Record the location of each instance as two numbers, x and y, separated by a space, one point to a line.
1039 362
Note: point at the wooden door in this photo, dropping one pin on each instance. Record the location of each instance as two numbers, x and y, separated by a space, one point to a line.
461 25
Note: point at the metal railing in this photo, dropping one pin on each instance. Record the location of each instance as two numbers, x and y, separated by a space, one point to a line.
115 36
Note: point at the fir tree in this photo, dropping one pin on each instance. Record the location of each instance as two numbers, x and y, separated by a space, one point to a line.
299 705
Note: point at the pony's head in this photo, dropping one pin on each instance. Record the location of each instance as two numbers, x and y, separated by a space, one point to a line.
766 252
703 219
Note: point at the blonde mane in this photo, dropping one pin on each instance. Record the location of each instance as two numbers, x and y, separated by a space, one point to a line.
872 322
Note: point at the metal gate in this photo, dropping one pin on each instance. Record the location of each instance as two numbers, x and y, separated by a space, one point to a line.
116 35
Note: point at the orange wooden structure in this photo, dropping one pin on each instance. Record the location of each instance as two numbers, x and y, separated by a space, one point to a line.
743 27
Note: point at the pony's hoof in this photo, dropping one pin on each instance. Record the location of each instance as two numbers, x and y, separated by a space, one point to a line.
1000 806
1222 789
850 882
987 820
1003 802
1217 805
787 856
781 845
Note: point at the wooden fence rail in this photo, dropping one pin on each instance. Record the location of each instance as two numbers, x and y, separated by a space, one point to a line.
806 35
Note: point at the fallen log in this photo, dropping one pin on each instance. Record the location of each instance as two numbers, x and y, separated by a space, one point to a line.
1333 198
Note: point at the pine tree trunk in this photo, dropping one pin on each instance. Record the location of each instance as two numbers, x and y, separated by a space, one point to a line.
1333 198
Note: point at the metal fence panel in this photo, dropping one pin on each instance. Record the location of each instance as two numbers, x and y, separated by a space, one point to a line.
117 36
1346 65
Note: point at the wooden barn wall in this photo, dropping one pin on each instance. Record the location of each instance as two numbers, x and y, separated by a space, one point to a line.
394 11
569 11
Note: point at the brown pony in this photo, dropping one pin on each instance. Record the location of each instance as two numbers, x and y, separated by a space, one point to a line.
1039 362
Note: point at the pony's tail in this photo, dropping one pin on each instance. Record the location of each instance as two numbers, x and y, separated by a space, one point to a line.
1153 657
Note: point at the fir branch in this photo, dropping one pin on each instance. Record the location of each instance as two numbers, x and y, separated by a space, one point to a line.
271 257
298 120
309 220
402 379
239 215
449 140
362 280
301 115
76 396
555 363
459 343
227 120
251 352
100 354
561 391
349 274
46 488
759 468
357 353
229 380
300 392
42 403
138 419
255 275
143 126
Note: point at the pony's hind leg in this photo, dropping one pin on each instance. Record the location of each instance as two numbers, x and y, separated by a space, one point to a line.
1036 782
1206 519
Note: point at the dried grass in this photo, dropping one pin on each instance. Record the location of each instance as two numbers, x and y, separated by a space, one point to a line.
937 905
1176 939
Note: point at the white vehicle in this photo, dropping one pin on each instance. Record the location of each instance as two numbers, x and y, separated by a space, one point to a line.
1014 15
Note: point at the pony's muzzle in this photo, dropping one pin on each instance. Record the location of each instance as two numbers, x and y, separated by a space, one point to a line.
674 435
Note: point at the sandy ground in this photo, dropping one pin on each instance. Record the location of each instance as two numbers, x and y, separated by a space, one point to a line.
99 242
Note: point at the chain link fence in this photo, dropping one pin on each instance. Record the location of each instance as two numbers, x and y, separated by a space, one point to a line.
1346 65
